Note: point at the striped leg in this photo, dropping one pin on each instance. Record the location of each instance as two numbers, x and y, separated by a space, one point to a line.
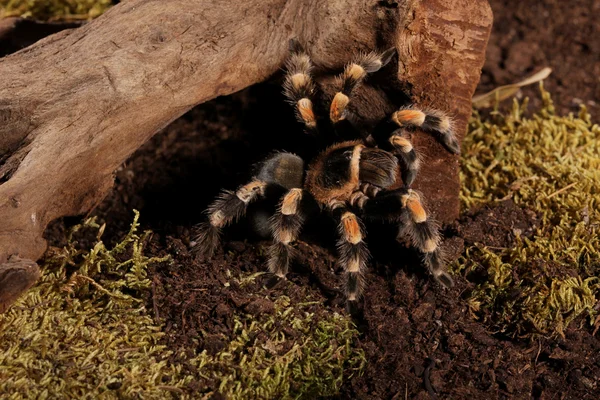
285 225
404 150
353 75
353 252
424 235
299 87
404 206
431 121
227 208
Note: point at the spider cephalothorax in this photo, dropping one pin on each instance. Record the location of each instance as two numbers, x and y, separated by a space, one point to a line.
350 180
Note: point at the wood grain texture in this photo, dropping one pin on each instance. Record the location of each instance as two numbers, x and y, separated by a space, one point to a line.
77 104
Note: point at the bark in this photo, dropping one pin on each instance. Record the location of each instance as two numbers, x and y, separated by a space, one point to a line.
76 104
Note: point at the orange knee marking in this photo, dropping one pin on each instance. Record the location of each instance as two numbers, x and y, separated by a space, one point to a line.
409 117
306 112
352 232
416 209
338 105
355 71
249 191
401 142
300 80
289 205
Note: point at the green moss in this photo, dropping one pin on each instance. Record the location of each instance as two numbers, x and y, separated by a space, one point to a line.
262 363
550 164
84 331
84 327
54 9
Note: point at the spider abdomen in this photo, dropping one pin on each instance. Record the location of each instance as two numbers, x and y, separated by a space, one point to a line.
378 168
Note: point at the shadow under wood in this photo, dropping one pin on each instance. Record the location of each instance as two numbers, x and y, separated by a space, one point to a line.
18 33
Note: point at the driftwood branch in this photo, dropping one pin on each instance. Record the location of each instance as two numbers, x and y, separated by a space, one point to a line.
76 104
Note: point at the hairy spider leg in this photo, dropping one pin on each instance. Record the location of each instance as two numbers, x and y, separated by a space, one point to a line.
404 206
299 87
228 207
352 250
395 140
391 134
430 120
283 170
404 150
286 224
353 75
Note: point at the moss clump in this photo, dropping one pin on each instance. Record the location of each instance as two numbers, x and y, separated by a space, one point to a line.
84 332
262 363
550 164
54 9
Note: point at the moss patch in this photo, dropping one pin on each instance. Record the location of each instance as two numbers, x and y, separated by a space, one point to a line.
262 363
84 331
54 9
550 164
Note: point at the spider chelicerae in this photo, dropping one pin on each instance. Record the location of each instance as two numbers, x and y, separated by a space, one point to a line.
350 180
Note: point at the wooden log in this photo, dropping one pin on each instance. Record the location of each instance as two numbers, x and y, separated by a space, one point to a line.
76 104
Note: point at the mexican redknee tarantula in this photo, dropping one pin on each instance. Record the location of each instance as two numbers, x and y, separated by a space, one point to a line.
348 179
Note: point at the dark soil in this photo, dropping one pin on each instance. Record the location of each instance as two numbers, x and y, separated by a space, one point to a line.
529 35
420 341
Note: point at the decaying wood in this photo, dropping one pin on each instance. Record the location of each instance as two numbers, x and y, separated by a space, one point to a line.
75 105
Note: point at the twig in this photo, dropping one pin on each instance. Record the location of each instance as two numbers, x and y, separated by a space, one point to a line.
515 186
438 325
596 325
427 380
154 305
496 247
170 388
43 303
569 186
68 287
538 353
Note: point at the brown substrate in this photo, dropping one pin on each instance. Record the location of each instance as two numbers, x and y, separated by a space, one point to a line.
417 337
530 35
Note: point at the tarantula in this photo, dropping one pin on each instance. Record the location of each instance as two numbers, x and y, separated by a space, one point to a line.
347 179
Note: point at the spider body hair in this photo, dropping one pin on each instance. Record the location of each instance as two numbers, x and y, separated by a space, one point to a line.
349 180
